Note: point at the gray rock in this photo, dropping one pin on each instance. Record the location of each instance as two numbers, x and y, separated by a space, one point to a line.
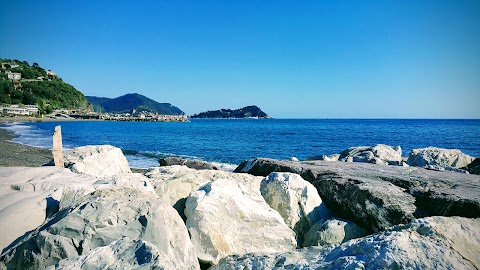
332 232
85 223
194 164
378 154
440 157
96 160
474 167
430 243
376 197
121 254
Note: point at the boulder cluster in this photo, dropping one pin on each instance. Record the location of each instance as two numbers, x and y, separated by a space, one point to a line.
269 214
431 158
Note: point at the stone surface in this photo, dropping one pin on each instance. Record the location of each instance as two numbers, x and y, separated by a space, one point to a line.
97 160
29 196
224 217
174 183
194 164
295 199
332 232
441 157
474 167
87 222
122 254
378 154
430 243
376 197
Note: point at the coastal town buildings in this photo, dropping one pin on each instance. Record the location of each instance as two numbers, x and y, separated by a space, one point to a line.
16 109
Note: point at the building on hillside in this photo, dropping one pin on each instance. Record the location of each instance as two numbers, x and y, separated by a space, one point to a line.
13 75
51 73
12 65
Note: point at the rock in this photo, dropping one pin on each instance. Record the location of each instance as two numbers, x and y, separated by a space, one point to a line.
378 154
334 157
85 223
474 167
295 199
441 157
122 254
376 197
293 159
194 164
430 243
224 217
174 183
370 202
97 160
450 169
332 232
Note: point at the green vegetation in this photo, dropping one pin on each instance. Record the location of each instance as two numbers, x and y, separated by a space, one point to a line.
48 92
126 103
249 111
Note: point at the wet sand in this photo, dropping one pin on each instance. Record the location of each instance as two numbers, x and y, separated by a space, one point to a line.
14 154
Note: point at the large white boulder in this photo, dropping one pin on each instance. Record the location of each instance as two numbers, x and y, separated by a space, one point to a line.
225 217
96 160
378 154
332 232
174 183
430 243
438 157
295 199
98 219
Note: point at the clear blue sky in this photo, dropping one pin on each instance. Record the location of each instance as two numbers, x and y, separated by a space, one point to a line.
294 59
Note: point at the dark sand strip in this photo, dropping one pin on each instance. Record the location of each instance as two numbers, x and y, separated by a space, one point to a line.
14 154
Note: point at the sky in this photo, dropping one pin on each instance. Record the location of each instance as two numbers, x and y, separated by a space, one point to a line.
293 59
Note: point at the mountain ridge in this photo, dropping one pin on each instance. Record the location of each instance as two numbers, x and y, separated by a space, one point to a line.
125 104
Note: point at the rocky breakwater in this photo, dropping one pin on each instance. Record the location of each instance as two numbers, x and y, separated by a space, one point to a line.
62 219
377 197
174 217
428 243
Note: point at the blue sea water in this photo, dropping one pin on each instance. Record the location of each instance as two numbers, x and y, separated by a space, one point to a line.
230 141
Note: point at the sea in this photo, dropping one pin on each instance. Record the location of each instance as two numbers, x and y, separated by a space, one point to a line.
227 142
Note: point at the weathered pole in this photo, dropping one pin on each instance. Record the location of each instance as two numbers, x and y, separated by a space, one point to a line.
57 147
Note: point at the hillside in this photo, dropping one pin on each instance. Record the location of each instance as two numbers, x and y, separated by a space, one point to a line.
246 112
126 103
32 84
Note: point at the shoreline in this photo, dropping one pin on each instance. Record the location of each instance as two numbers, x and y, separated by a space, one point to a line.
14 154
7 119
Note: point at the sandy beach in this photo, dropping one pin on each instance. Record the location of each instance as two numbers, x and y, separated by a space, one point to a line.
14 154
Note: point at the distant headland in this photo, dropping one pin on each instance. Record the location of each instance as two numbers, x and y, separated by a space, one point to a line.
245 112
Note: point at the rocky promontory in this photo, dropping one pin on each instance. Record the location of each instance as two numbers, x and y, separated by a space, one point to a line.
245 112
94 213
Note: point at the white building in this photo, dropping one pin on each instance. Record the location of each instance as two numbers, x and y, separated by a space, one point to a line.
14 76
17 110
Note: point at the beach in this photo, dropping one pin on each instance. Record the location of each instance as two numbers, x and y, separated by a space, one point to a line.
16 155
